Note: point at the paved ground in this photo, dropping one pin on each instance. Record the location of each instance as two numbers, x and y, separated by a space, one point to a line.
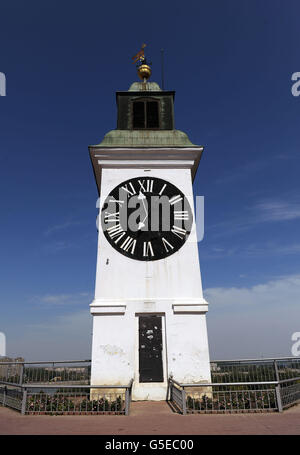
154 418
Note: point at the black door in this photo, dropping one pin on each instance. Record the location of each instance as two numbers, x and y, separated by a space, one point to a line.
150 349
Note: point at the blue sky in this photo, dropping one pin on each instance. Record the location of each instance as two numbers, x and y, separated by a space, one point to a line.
230 63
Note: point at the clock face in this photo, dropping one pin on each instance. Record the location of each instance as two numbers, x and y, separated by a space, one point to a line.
146 218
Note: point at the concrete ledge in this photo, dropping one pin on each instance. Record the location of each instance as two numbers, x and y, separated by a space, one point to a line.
192 308
107 309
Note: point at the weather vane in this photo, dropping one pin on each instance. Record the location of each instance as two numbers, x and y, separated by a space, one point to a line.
144 70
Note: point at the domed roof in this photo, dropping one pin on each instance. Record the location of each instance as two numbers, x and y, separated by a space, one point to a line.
144 86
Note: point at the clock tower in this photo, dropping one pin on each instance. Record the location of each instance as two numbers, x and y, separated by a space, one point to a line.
149 314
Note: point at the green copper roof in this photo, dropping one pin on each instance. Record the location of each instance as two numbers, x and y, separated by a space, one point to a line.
125 136
145 138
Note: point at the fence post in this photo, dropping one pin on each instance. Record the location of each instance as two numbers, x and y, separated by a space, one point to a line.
171 392
168 390
278 398
24 401
276 370
183 394
4 395
21 374
127 401
278 388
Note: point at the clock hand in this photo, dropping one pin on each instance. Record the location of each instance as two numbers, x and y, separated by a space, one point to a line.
142 197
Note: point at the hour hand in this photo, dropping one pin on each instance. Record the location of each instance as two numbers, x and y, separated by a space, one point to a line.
141 195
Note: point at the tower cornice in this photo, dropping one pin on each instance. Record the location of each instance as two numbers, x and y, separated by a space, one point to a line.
144 158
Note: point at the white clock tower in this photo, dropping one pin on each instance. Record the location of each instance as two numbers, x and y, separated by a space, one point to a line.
149 314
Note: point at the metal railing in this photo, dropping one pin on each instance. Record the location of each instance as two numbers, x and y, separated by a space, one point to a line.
289 392
61 387
11 397
65 399
79 371
70 371
249 370
223 397
234 397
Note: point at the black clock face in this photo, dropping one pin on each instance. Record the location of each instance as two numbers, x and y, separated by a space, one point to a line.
146 218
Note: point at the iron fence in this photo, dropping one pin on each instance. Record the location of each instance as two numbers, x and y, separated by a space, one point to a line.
176 396
75 372
248 385
11 397
71 399
290 392
288 368
234 397
77 400
249 370
233 400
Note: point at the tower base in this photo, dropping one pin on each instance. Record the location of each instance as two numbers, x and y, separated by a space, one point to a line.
149 342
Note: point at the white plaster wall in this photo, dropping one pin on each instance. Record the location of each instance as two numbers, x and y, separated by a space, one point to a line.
177 276
148 287
188 355
113 350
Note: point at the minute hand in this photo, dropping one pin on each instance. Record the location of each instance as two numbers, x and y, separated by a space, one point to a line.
142 223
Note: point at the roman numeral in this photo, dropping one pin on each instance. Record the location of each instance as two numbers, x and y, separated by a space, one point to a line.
180 232
181 215
130 191
167 244
116 201
147 248
175 199
112 217
148 184
161 191
128 244
116 231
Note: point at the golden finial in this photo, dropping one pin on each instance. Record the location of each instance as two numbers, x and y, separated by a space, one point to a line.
144 70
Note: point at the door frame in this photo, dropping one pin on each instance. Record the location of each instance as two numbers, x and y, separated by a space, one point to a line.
163 354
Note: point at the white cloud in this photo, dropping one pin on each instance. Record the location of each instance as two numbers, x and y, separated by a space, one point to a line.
270 249
278 210
275 292
80 298
289 249
243 322
243 171
254 321
263 211
56 246
251 250
246 170
60 227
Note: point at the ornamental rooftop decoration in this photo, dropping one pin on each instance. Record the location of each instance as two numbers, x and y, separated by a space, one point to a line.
144 69
145 114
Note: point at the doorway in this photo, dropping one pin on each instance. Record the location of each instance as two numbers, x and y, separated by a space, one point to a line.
150 349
